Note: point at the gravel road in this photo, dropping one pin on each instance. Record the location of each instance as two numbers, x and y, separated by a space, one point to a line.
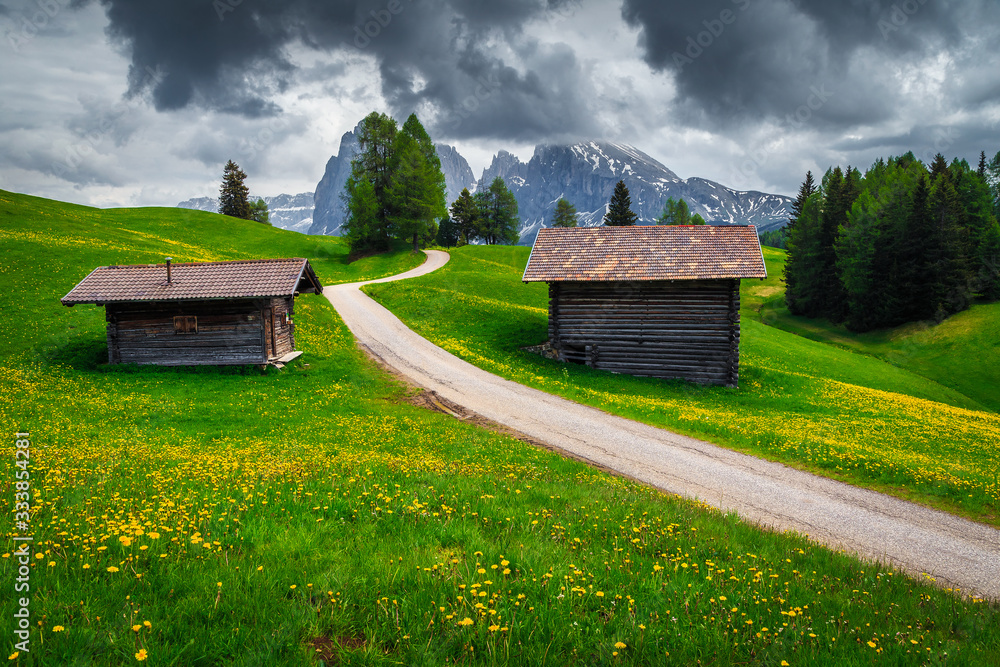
957 553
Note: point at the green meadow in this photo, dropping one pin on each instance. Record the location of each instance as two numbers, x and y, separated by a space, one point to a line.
963 352
229 516
821 407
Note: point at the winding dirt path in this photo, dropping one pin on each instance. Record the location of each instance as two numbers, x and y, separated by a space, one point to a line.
956 552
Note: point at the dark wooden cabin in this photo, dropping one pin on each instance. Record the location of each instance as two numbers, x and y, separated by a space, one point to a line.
661 301
205 313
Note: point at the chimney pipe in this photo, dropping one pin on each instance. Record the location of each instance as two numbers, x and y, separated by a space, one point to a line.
169 259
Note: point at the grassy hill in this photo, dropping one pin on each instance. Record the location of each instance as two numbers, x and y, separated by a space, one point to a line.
963 352
214 516
816 406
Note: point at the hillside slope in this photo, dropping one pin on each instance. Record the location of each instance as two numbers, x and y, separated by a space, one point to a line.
221 516
962 353
842 414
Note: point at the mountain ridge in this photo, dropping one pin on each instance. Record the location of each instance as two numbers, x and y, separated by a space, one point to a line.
586 173
291 212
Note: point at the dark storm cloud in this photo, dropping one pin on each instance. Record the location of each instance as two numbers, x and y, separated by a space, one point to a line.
434 55
748 59
925 141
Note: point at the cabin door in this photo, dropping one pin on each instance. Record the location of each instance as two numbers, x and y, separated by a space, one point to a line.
269 333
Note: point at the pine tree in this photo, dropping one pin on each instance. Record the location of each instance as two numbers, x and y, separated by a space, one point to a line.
430 181
807 188
465 215
993 180
949 265
804 275
675 213
404 172
362 226
564 215
447 235
989 263
374 163
412 198
982 165
856 264
916 283
234 195
938 166
620 208
498 221
839 191
696 219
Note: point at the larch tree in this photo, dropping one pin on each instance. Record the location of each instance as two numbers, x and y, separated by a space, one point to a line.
674 213
259 212
564 215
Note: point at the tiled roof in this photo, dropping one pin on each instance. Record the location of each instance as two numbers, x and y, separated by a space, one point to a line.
249 279
646 253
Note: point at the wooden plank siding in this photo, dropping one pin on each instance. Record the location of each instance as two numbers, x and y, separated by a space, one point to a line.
283 326
228 333
686 329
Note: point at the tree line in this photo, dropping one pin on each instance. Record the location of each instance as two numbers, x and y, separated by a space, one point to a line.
901 243
620 213
396 191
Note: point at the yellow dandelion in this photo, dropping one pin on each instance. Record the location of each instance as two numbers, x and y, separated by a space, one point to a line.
13 656
126 541
136 628
141 655
57 628
872 644
620 645
112 569
466 621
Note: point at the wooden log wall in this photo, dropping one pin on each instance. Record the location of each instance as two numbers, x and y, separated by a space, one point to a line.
229 333
284 326
667 329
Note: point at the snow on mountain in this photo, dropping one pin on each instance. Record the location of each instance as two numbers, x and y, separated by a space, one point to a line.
586 173
291 212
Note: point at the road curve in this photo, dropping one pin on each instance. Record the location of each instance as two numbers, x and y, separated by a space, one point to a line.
957 553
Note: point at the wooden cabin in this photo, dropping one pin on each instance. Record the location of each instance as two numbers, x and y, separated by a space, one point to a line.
203 313
660 301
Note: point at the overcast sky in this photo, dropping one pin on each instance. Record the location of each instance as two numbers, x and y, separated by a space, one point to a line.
134 102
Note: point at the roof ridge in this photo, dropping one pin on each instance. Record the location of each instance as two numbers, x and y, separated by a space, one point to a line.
214 263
